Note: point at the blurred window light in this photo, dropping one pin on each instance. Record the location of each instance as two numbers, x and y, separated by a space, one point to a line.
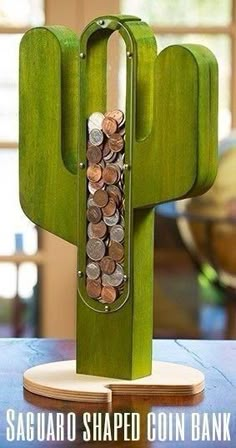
14 222
8 280
27 279
9 56
180 12
20 13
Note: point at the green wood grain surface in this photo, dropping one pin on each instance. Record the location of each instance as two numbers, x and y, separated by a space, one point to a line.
171 144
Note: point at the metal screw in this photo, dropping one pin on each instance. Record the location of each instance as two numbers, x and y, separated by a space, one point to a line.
82 55
101 22
107 308
125 278
129 54
82 165
126 166
80 274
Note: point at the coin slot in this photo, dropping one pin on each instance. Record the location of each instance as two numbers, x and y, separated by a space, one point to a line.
116 72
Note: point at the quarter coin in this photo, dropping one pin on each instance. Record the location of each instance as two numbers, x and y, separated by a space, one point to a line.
95 249
93 270
95 121
117 233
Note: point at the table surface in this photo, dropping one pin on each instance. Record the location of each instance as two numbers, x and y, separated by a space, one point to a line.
216 359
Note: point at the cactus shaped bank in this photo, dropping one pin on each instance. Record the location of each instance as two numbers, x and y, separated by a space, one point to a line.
170 153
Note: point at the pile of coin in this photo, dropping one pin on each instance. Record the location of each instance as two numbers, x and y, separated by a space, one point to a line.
105 206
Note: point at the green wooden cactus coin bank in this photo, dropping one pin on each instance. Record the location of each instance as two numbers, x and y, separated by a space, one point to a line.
170 153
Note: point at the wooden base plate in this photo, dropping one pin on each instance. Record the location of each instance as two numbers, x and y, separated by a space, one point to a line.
59 380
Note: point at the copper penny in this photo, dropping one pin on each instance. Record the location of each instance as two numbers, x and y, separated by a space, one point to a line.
116 142
94 173
94 214
110 174
109 126
116 114
101 198
110 208
93 288
115 193
94 186
99 230
107 265
94 154
116 251
108 294
106 150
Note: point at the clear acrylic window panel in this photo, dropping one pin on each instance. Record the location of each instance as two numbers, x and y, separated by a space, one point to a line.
17 233
220 45
21 13
9 72
180 12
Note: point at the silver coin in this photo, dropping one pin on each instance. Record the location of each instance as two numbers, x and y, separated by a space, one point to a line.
95 121
117 233
121 130
111 157
106 280
122 221
93 187
120 162
90 232
95 249
90 201
96 137
93 270
114 279
112 220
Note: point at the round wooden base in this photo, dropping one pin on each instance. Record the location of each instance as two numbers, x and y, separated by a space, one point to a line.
59 380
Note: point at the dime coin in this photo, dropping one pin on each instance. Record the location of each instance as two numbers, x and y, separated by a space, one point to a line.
116 142
94 173
107 265
110 208
99 230
109 126
95 249
95 121
94 214
117 115
117 233
93 288
94 154
110 174
112 220
108 294
116 251
101 198
116 279
93 270
96 137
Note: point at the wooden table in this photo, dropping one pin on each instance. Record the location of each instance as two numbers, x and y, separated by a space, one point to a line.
215 358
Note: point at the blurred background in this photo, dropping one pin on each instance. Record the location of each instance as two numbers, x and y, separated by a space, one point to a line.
195 242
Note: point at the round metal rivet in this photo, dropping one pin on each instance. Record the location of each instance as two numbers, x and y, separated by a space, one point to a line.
80 274
129 54
82 55
101 22
82 165
107 308
126 166
125 278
